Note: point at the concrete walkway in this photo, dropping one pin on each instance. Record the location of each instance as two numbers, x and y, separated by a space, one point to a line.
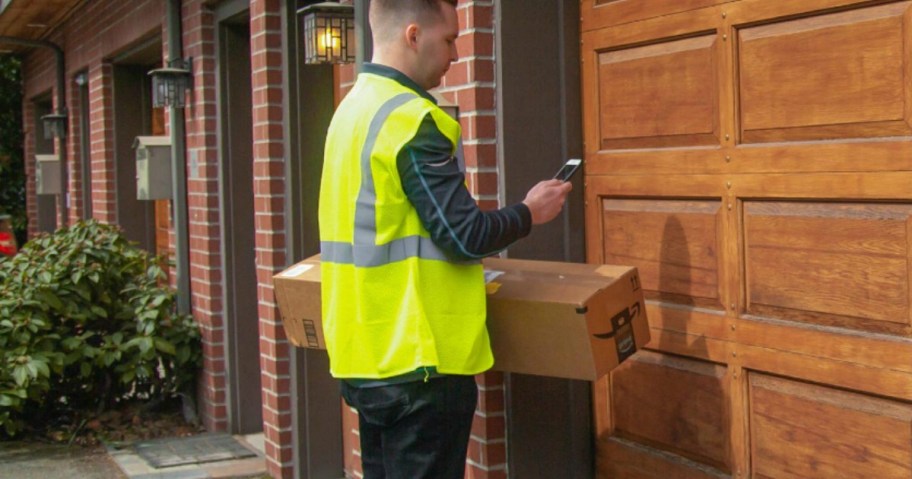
27 460
24 460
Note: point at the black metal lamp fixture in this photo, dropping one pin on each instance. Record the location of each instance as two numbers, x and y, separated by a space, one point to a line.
54 125
170 84
329 33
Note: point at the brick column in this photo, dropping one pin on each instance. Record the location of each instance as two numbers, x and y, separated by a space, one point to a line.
74 157
203 211
470 83
101 136
269 198
28 157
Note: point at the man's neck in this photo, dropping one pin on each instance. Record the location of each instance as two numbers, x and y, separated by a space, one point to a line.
393 61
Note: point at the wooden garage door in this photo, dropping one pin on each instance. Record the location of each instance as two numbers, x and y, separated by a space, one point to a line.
753 159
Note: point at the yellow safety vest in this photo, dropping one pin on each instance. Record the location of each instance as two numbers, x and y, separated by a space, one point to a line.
392 301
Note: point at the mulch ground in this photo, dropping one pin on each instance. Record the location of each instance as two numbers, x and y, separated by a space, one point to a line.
128 423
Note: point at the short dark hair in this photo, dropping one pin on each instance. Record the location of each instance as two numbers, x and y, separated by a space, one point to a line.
384 14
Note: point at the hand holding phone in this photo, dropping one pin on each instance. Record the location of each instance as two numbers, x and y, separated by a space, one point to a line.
568 169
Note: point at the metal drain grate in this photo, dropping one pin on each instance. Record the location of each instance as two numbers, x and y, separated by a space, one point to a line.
210 447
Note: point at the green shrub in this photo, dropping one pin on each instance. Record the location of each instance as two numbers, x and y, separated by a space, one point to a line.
86 324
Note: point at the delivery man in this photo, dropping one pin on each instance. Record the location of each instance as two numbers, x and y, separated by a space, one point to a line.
401 242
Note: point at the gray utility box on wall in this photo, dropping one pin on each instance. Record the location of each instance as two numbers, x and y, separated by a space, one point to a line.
47 174
153 167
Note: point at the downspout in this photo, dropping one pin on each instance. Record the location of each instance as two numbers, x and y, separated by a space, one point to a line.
61 110
364 46
179 167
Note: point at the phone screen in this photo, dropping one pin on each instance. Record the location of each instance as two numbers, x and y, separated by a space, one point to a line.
566 172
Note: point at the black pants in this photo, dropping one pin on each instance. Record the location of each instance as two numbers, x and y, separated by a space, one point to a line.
415 430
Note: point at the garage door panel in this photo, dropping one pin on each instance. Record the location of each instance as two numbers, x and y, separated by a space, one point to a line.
859 56
689 344
753 159
673 243
828 345
659 95
802 430
618 458
673 404
654 84
814 367
816 157
845 260
603 13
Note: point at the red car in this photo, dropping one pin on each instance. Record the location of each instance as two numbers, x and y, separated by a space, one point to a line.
7 238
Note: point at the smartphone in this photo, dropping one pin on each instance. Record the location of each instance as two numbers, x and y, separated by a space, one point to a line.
570 167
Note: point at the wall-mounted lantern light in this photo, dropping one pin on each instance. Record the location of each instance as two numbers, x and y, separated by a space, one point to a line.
329 33
170 84
54 125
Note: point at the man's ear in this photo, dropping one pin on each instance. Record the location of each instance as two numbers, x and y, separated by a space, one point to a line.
411 35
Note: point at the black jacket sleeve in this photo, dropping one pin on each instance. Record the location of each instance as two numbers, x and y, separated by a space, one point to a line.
436 187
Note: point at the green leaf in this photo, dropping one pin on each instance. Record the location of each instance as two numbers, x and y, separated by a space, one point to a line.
83 292
42 369
98 311
50 299
164 346
183 354
145 344
85 369
20 375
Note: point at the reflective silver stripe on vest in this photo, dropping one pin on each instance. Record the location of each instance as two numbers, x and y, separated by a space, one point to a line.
379 255
365 252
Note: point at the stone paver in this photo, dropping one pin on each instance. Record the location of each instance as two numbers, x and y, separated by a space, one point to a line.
135 467
211 447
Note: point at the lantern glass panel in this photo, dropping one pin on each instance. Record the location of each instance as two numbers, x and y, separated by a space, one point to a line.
329 34
170 89
54 126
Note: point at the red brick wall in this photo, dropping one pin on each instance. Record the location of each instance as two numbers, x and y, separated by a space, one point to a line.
74 156
269 192
470 83
203 211
87 48
101 136
28 150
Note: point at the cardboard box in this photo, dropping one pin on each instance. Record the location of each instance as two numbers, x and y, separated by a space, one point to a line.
553 319
297 292
566 320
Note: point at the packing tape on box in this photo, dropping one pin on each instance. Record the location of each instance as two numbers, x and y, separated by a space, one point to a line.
296 271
